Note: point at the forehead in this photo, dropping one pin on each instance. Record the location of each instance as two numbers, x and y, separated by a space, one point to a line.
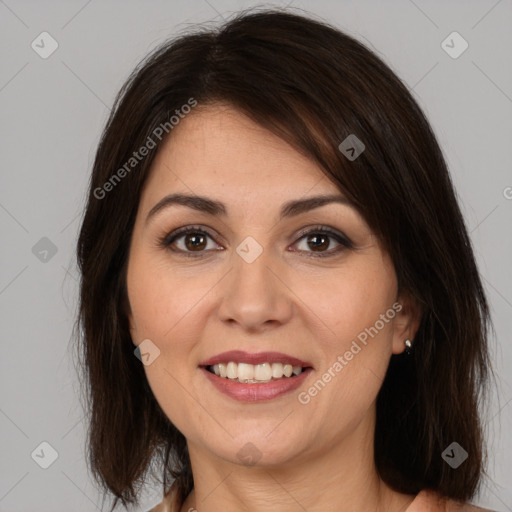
219 148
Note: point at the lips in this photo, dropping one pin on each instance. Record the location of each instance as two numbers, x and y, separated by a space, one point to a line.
271 374
239 356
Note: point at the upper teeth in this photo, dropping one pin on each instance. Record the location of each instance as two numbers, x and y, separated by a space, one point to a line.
255 372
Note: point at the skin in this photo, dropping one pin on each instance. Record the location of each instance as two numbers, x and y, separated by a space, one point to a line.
314 455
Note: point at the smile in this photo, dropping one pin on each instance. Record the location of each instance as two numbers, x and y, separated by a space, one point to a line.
254 373
255 377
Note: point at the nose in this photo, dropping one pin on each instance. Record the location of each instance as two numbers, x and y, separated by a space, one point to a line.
255 295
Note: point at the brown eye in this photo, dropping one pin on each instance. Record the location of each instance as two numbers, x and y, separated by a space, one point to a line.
195 241
317 241
189 241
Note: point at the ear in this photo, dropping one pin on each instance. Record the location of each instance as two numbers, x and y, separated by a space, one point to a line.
406 321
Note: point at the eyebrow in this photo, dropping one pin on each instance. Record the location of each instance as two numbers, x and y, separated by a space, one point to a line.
218 209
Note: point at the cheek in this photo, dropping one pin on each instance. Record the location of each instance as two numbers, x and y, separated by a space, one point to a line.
355 362
165 309
357 306
161 298
349 300
161 316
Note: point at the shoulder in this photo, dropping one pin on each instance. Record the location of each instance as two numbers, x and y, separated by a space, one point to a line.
430 501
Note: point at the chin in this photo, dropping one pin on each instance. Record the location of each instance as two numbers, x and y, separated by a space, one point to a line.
260 449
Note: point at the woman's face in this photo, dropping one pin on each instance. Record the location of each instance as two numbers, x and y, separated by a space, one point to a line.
259 277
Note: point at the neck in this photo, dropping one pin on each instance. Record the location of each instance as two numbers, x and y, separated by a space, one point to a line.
321 480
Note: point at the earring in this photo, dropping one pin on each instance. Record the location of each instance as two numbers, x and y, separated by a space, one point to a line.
408 347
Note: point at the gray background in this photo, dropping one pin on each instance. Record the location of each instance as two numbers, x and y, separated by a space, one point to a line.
52 112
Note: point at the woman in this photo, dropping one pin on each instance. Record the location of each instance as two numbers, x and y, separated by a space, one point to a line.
280 306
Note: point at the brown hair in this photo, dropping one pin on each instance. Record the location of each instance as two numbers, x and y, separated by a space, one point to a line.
312 85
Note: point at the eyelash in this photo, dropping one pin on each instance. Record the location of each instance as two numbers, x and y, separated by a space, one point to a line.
344 242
